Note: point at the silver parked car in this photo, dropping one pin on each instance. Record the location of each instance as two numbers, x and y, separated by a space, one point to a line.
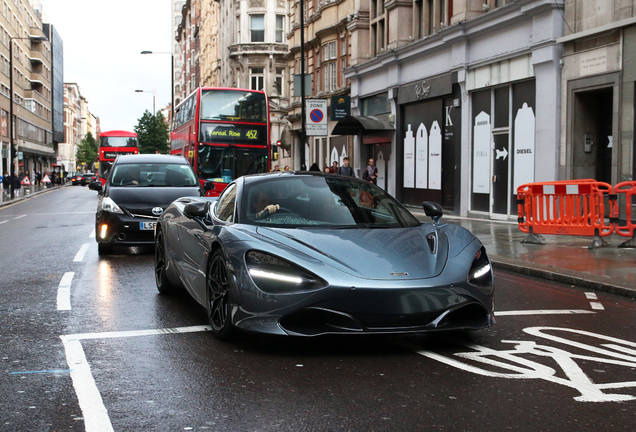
307 254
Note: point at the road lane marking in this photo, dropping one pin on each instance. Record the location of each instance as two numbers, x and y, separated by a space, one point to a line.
3 222
132 333
594 305
19 217
80 254
64 292
543 312
94 411
92 235
39 372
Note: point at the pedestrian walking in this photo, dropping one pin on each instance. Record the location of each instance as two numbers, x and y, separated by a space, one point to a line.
371 172
334 167
345 169
16 185
6 182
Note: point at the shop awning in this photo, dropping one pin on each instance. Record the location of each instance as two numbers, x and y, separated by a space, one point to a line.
352 125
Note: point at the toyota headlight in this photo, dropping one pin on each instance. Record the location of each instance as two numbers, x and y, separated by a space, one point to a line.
108 205
276 275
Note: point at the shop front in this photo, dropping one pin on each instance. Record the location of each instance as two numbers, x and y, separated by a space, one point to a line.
429 143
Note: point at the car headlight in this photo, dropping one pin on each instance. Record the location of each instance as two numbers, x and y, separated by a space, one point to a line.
108 205
276 275
480 273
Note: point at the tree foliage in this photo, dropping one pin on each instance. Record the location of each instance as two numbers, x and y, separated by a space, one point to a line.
87 151
153 133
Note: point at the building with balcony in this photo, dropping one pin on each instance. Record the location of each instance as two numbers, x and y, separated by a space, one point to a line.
78 121
21 25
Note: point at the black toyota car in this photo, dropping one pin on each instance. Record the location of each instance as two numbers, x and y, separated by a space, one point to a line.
138 189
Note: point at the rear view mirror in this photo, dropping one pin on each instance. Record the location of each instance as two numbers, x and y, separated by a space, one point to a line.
196 209
208 186
433 210
96 186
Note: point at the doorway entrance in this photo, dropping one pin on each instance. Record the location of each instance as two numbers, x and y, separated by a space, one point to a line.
592 139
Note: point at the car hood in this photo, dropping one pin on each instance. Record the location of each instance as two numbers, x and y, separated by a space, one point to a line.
381 254
142 199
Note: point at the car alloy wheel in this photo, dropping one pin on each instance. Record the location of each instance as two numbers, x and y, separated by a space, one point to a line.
218 293
161 279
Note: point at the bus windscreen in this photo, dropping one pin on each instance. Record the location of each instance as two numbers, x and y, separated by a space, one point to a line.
232 105
111 141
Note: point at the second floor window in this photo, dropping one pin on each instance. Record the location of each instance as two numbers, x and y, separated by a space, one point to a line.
257 28
280 28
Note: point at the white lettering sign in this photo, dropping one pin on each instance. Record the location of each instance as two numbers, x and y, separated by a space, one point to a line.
421 157
481 154
524 147
435 157
409 161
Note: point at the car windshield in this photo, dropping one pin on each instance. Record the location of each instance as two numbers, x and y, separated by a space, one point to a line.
301 201
153 175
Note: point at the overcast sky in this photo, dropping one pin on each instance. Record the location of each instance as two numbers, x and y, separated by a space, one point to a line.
103 40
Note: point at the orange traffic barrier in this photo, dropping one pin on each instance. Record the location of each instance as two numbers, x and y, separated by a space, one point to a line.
572 207
629 189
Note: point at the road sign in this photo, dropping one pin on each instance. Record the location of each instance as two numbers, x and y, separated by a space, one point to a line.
316 117
46 179
25 181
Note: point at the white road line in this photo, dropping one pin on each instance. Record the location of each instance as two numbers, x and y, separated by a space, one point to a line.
80 254
590 296
3 222
543 312
93 410
19 217
597 306
64 292
131 333
92 235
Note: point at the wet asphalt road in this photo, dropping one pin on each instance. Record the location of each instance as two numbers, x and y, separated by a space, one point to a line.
554 361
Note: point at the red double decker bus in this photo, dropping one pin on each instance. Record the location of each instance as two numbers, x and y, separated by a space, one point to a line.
112 144
224 133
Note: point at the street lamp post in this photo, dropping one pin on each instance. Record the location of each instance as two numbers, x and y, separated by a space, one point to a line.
171 78
11 132
153 98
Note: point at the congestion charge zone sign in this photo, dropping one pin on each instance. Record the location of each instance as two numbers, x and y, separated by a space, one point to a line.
316 110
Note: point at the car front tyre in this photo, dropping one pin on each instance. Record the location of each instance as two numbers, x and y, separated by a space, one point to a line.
218 297
161 279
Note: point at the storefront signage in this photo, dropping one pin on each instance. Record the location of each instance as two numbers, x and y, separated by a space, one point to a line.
340 107
524 146
423 157
481 154
426 89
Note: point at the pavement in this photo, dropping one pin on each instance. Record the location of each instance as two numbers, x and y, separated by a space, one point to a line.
565 259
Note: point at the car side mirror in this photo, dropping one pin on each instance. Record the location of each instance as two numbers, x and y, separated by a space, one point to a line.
208 186
433 210
196 209
96 186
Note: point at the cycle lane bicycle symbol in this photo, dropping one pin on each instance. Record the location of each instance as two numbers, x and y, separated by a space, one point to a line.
515 364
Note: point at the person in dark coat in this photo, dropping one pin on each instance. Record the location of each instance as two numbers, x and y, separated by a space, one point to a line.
16 185
345 169
371 172
314 167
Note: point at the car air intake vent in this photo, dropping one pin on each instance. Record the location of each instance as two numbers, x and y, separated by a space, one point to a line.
431 239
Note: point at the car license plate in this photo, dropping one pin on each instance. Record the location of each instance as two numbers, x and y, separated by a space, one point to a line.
147 225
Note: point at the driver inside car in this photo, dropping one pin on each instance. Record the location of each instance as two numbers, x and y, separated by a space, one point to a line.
263 206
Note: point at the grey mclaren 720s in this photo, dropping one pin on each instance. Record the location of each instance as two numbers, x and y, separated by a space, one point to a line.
309 253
